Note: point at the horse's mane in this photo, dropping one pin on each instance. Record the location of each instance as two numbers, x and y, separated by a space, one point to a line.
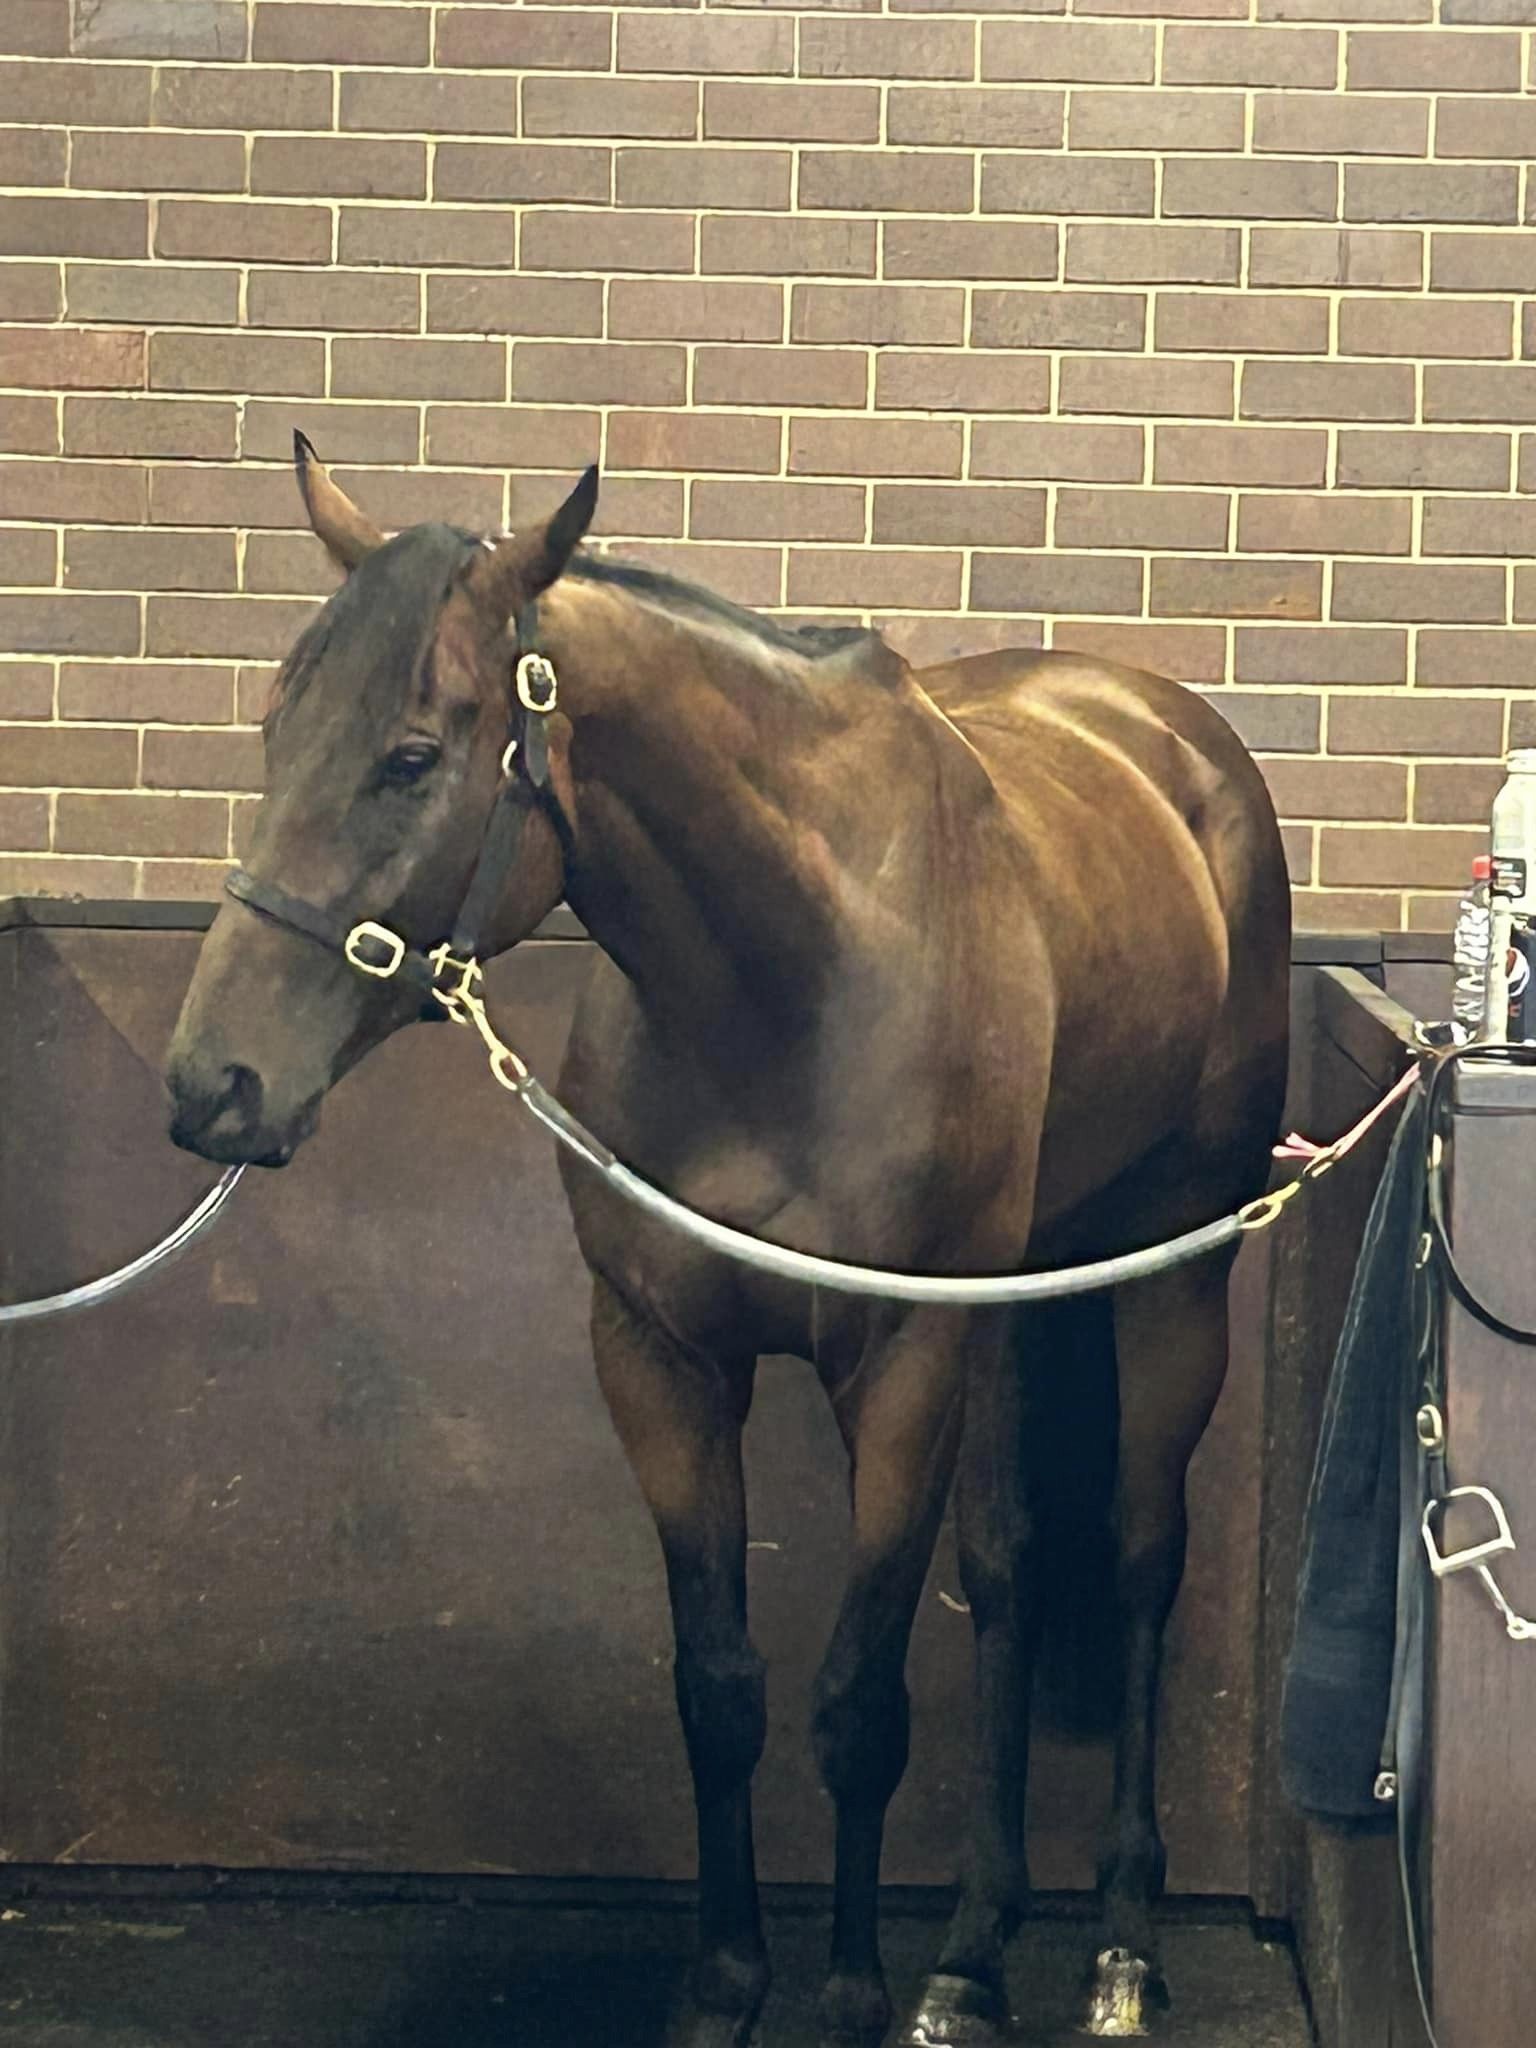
672 594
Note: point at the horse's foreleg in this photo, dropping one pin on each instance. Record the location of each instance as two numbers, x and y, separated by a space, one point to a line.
1171 1340
899 1414
680 1418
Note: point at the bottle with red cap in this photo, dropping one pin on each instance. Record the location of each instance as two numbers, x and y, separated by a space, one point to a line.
1470 950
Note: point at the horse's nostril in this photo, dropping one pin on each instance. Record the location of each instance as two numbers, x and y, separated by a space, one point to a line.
243 1092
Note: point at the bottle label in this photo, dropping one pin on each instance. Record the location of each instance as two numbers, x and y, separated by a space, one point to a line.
1508 876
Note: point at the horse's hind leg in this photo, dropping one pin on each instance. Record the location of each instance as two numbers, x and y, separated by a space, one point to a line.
680 1419
1171 1339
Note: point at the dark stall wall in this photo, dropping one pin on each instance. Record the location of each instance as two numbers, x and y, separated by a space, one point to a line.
320 1553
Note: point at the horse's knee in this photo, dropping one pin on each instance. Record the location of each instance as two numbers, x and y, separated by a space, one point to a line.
996 1572
722 1703
860 1726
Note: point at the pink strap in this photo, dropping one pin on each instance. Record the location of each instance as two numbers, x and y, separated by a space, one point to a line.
1297 1147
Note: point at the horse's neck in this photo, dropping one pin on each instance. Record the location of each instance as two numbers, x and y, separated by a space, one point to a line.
699 851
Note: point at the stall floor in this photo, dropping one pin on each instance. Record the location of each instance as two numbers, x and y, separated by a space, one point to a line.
326 1973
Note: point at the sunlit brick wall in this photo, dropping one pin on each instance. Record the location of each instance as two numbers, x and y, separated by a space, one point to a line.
1190 333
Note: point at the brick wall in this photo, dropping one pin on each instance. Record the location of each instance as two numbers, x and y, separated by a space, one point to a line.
1191 332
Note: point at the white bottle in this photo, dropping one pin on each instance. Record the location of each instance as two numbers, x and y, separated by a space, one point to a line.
1512 890
1469 950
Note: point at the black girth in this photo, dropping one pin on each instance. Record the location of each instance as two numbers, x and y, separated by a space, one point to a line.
374 949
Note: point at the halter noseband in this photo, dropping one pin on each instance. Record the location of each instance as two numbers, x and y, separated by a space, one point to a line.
450 971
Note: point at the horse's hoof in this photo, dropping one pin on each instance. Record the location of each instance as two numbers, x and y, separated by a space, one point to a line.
695 2029
1127 1989
959 2012
855 2013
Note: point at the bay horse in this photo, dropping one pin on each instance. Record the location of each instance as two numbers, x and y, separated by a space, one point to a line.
964 969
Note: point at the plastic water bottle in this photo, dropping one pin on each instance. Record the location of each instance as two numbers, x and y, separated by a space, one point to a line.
1512 898
1469 950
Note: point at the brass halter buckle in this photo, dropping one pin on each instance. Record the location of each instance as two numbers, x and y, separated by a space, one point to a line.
538 687
465 990
369 933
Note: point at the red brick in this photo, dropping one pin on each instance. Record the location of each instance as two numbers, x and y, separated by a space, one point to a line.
1250 56
411 367
779 376
1241 323
1050 450
288 565
1122 253
1146 385
1452 659
35 156
1076 52
28 426
106 560
633 506
966 116
56 757
237 362
211 494
338 166
910 380
334 300
329 34
112 161
1293 523
522 39
1323 391
430 237
1240 455
503 305
81 95
949 515
1466 328
208 760
1435 60
1338 124
1363 259
1195 588
1254 189
1398 858
1320 655
1455 792
1473 393
27 556
702 44
600 373
236 231
1058 185
149 426
1395 459
1190 654
611 241
1432 192
23 819
538 172
867 577
882 314
40 28
142 825
63 361
841 48
789 113
1411 724
507 437
693 441
1419 591
395 498
343 433
1480 526
1485 128
885 181
153 295
742 510
884 448
776 247
643 310
1268 722
263 627
612 108
968 249
145 693
1338 789
106 493
242 98
725 178
1056 583
1139 519
30 291
1482 263
927 642
425 103
1158 119
73 876
213 29
75 226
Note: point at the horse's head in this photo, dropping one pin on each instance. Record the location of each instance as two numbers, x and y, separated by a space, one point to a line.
384 750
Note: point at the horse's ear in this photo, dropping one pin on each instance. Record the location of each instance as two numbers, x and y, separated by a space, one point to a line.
348 534
521 566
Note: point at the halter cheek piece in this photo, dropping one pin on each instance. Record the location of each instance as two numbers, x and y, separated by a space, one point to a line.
449 972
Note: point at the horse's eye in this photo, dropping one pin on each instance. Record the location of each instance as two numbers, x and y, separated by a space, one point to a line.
408 763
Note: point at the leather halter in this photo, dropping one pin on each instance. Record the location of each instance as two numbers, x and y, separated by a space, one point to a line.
452 968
